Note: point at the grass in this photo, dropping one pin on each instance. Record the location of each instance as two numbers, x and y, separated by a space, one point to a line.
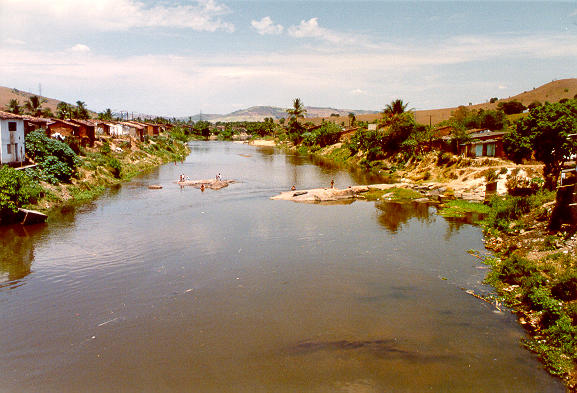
394 193
459 208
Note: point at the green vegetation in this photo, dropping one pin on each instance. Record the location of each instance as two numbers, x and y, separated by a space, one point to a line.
545 133
505 211
17 189
56 161
394 193
544 292
459 208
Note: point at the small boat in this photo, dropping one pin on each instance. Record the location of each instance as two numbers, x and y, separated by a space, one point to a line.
155 187
28 217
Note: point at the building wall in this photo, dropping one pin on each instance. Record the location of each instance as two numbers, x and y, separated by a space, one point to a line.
16 142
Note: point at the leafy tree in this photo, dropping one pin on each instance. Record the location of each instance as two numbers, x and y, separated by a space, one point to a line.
511 107
534 104
14 107
546 133
16 190
493 100
63 110
33 105
202 128
56 160
327 134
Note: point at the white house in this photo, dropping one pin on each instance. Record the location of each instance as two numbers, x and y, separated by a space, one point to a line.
12 145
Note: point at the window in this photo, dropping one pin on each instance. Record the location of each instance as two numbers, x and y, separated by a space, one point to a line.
11 126
9 148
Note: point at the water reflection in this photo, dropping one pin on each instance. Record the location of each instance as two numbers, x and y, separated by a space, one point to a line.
392 215
16 253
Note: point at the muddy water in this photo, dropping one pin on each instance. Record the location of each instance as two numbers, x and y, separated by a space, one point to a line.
227 291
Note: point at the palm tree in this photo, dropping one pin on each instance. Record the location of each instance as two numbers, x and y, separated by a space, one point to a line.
298 110
106 115
80 111
34 105
396 107
14 107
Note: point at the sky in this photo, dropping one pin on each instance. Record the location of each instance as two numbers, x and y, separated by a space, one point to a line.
182 57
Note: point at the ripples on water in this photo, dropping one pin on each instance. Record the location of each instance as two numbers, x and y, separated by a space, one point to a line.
178 290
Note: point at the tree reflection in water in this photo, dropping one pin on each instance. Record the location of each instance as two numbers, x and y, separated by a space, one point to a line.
16 254
392 215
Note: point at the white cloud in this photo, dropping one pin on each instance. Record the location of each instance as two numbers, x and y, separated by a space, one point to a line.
113 15
150 83
80 48
358 92
266 26
311 29
13 41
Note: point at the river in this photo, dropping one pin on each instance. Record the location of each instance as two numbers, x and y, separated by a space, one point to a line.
178 290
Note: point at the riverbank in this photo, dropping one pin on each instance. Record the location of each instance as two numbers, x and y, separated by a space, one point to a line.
533 269
109 162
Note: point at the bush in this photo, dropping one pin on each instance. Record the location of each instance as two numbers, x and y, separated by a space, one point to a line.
517 270
56 160
16 189
116 167
505 210
566 288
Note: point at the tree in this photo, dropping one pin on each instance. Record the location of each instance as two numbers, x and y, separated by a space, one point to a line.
493 100
511 107
80 112
352 119
298 111
546 133
63 110
34 105
14 107
106 115
396 107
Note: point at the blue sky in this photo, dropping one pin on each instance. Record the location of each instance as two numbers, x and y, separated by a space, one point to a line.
177 58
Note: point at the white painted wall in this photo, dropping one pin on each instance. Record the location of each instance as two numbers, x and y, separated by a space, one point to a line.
18 139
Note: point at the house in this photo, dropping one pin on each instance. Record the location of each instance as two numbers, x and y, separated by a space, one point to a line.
347 133
134 130
32 123
87 132
484 143
12 143
63 128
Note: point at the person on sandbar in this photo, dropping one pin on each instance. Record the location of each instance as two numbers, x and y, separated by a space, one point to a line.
333 183
293 188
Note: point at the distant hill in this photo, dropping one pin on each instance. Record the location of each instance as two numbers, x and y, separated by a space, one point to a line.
7 93
258 113
552 92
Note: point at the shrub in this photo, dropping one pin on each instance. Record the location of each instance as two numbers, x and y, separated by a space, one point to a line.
56 159
115 166
16 189
517 270
566 288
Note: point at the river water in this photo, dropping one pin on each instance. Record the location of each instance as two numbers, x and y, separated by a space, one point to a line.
178 290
